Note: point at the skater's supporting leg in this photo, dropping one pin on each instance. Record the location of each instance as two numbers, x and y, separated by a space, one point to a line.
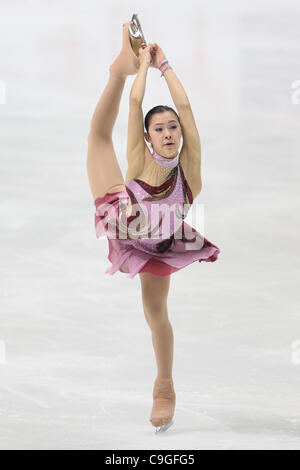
154 293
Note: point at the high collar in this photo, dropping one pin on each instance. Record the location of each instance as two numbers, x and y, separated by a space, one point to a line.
165 161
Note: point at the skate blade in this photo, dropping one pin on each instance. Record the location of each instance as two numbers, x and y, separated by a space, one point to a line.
136 35
135 29
161 429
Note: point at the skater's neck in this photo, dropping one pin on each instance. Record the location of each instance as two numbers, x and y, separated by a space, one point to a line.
166 161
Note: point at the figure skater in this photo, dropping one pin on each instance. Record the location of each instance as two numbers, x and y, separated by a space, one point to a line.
160 176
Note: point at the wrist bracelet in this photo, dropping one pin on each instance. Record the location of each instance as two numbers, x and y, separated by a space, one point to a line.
164 66
164 71
162 62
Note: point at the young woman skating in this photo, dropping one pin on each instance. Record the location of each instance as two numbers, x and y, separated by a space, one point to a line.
163 178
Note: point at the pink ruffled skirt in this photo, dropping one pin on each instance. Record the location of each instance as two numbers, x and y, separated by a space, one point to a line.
133 256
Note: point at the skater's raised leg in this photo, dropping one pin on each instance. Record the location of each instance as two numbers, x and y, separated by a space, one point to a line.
102 165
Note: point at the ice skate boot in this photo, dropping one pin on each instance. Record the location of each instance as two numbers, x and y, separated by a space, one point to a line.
164 399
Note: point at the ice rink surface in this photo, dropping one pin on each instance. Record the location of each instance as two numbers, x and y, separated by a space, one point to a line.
76 359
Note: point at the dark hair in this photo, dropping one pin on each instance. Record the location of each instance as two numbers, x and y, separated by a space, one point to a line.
156 110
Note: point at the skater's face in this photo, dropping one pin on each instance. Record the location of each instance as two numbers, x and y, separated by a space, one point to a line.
163 128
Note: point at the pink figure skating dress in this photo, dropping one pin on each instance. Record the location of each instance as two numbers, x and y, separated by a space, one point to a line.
145 226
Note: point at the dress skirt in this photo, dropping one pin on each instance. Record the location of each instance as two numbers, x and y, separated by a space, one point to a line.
133 256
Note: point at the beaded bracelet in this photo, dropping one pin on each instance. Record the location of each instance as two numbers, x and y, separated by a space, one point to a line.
168 68
164 66
162 62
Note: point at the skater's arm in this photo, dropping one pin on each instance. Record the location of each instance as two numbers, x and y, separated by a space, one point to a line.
177 91
138 88
191 139
135 140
